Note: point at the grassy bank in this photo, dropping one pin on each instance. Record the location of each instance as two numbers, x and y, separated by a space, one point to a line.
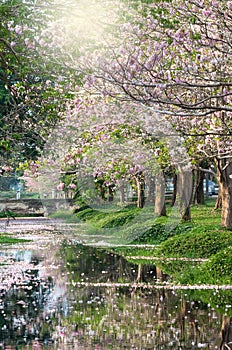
8 239
140 226
203 237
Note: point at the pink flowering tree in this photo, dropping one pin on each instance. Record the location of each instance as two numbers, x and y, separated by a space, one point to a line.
168 60
113 160
175 58
102 146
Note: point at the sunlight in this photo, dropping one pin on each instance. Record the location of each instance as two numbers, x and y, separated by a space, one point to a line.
86 20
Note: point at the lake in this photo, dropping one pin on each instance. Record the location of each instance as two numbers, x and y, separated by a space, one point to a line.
57 293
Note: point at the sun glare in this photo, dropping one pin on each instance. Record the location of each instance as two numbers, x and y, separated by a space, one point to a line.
88 20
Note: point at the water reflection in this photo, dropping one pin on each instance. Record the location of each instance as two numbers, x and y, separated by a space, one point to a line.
99 265
47 307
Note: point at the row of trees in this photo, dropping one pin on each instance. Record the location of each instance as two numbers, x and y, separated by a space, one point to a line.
174 58
143 88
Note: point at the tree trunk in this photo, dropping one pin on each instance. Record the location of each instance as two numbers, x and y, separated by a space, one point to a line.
207 185
225 178
226 333
218 204
199 193
110 194
140 183
151 189
159 274
160 205
174 190
122 189
138 279
226 206
101 189
184 192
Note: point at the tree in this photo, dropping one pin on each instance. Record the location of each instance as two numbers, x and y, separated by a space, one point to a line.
175 58
170 60
30 87
106 144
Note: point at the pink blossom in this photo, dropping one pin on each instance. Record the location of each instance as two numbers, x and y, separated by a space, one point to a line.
206 12
27 41
60 187
72 186
10 26
18 29
7 168
85 159
42 43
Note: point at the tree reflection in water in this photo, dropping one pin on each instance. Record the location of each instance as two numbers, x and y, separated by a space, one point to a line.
50 309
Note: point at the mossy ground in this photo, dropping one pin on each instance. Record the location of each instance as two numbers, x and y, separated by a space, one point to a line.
202 237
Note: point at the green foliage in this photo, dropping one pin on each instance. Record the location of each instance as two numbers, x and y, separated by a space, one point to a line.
136 251
106 219
220 300
195 245
30 102
201 238
219 265
158 233
6 214
215 271
87 214
177 268
66 215
6 239
140 226
216 246
116 219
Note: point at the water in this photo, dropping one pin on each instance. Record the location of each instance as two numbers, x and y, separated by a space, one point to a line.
58 294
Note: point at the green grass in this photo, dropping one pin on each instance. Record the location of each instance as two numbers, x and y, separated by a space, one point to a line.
215 271
65 215
140 226
195 244
108 217
136 251
205 239
5 214
202 237
12 195
7 239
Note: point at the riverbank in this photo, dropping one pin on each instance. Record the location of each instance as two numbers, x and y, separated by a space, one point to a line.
201 238
195 252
